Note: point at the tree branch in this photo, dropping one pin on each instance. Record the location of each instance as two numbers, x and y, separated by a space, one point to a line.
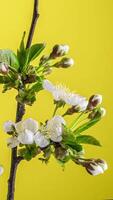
15 160
33 23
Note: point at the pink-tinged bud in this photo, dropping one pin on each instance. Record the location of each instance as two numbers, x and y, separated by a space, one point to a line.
94 101
3 68
59 50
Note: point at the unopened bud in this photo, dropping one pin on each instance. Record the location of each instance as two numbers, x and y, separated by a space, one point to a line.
48 71
3 68
44 59
97 113
94 101
66 62
59 50
94 166
102 163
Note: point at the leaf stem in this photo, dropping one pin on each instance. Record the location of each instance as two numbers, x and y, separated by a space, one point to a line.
55 110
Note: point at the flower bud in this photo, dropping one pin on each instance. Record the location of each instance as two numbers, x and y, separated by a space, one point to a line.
43 59
102 163
98 113
95 166
94 169
94 101
1 170
9 126
66 62
48 71
59 50
3 68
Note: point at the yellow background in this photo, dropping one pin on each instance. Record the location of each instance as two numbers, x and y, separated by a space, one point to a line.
87 26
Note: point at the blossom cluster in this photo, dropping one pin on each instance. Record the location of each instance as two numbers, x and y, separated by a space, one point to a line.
54 136
28 132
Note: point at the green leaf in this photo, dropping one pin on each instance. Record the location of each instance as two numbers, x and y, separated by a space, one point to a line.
29 152
9 57
36 87
22 53
87 139
70 141
34 51
87 125
4 79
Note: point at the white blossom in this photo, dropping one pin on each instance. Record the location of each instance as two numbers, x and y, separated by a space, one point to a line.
61 93
1 170
47 85
12 142
41 140
27 137
26 130
8 126
55 128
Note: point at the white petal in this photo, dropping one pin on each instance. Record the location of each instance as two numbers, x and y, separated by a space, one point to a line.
59 119
56 138
47 85
31 125
26 137
103 165
12 142
97 170
55 128
8 126
19 127
83 105
41 140
1 170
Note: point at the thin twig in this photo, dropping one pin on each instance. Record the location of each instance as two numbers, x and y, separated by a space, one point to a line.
33 24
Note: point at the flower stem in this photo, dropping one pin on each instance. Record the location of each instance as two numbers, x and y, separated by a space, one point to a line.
75 122
55 110
15 159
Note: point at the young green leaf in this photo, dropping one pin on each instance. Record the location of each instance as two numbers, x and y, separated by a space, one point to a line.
87 139
70 141
22 53
87 125
34 51
9 57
